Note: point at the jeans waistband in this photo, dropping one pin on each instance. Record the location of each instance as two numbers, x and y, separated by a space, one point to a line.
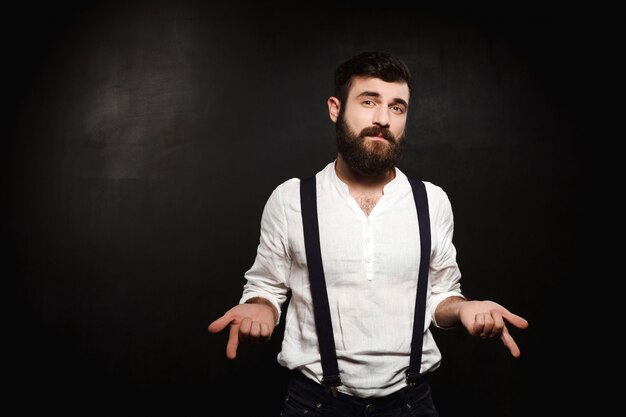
359 401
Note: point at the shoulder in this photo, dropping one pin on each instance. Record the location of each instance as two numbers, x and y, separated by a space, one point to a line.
435 192
286 190
290 188
281 201
438 201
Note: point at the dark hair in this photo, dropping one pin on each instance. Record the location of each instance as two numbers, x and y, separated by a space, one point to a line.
385 66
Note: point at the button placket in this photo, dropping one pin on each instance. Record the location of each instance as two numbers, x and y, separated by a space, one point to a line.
369 250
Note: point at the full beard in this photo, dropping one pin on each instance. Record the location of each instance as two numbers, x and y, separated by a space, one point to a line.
368 157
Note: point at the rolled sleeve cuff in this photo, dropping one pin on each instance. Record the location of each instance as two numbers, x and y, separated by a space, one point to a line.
436 300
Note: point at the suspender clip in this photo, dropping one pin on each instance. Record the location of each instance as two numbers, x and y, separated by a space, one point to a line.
412 379
331 385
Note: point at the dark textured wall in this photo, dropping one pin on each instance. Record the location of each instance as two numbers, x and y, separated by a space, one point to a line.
144 139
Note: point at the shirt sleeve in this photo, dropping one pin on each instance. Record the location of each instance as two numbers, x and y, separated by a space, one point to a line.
445 275
268 275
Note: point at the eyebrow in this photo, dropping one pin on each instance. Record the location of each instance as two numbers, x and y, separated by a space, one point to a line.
374 94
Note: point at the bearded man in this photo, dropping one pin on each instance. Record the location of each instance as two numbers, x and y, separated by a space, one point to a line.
349 246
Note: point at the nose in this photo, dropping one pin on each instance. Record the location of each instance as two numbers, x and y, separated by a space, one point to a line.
381 117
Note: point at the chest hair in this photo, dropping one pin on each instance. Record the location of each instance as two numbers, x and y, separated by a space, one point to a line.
367 202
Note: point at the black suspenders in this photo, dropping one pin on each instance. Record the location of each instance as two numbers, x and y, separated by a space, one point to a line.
423 220
323 324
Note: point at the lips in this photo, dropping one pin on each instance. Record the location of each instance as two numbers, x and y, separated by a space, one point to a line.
377 133
377 138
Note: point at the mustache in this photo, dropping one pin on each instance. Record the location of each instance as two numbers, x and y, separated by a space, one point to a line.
377 131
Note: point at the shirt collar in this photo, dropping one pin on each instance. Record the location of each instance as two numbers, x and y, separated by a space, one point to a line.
343 189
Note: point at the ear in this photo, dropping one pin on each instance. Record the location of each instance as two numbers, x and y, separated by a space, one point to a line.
333 108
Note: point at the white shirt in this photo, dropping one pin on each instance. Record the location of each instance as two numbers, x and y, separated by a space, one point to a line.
371 266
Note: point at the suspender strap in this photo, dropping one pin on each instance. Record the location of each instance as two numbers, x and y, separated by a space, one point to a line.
423 219
321 309
323 323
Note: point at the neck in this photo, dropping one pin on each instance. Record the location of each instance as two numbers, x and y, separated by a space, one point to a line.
358 181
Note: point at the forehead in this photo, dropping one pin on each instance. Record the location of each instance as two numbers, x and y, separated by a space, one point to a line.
386 90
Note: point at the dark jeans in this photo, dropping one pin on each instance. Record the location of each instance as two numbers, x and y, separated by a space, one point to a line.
308 398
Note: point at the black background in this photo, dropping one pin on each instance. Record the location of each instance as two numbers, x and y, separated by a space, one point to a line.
144 139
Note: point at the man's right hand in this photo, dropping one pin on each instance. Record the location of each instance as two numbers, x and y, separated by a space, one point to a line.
249 323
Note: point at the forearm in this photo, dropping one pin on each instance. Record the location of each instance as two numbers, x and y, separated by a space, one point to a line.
447 313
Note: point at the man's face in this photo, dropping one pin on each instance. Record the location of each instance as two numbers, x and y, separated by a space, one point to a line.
371 124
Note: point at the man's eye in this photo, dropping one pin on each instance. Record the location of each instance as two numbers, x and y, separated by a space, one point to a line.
397 109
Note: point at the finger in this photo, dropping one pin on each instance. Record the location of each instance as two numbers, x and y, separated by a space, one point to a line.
233 342
498 325
255 331
479 325
265 331
488 324
244 330
508 341
219 324
515 320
